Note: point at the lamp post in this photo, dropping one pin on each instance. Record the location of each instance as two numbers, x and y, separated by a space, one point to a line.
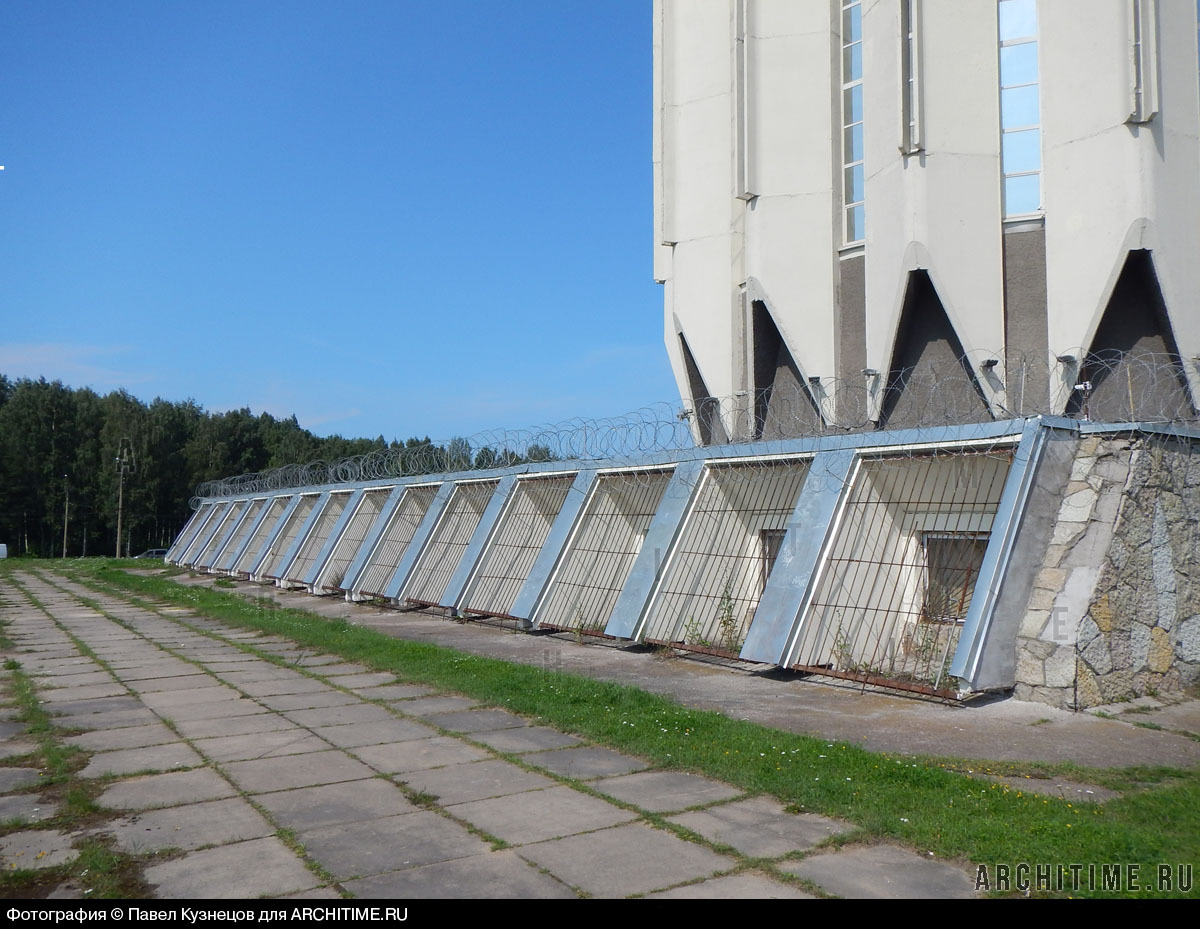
66 512
125 465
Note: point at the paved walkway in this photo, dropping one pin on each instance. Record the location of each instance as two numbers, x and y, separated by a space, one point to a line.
236 776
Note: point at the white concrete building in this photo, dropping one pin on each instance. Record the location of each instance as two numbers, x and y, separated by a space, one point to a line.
899 212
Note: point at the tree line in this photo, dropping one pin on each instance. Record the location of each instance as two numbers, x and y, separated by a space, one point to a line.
63 449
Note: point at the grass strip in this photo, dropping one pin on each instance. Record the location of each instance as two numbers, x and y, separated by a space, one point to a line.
922 805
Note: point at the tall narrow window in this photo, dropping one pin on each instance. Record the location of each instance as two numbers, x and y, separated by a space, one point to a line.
853 187
1020 113
911 135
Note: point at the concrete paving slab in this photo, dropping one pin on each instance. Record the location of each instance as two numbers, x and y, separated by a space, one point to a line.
167 701
477 720
339 715
215 709
239 725
354 735
258 868
154 670
218 822
665 791
502 875
374 846
73 680
333 804
394 692
417 755
525 739
14 748
587 763
18 778
71 693
760 827
883 872
36 850
625 860
150 758
304 685
95 706
11 730
338 668
462 783
117 719
308 701
428 706
172 789
538 815
260 671
292 741
358 681
156 685
734 887
26 808
104 740
314 661
269 774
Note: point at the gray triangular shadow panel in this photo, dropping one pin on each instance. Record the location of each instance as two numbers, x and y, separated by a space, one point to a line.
707 407
928 383
1133 366
783 406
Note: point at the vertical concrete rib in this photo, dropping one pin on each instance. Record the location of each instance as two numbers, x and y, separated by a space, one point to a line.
417 544
628 615
539 575
335 535
779 618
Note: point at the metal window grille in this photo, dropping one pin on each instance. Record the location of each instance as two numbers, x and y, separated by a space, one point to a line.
402 526
716 572
352 538
305 558
520 534
250 556
206 558
291 531
190 552
241 533
449 540
901 568
597 560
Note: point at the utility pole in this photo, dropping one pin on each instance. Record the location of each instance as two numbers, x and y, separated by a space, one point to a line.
125 465
66 512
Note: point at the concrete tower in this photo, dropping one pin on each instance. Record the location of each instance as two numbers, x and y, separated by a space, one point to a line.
898 212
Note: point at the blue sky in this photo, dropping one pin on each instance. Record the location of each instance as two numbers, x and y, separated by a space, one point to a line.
389 218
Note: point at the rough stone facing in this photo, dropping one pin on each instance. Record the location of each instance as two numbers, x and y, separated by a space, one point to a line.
1120 577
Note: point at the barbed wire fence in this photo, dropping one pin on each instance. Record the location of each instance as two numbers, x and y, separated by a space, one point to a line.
900 571
1115 387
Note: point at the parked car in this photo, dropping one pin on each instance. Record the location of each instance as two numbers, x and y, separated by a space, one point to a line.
159 553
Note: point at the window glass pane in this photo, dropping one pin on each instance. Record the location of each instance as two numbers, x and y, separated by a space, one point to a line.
854 144
1022 151
1019 64
1019 107
852 63
854 224
1018 18
1022 194
853 104
852 24
854 184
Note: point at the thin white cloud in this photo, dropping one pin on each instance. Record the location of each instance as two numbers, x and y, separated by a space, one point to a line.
74 364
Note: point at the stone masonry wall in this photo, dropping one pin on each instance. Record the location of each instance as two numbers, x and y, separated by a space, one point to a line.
1115 610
